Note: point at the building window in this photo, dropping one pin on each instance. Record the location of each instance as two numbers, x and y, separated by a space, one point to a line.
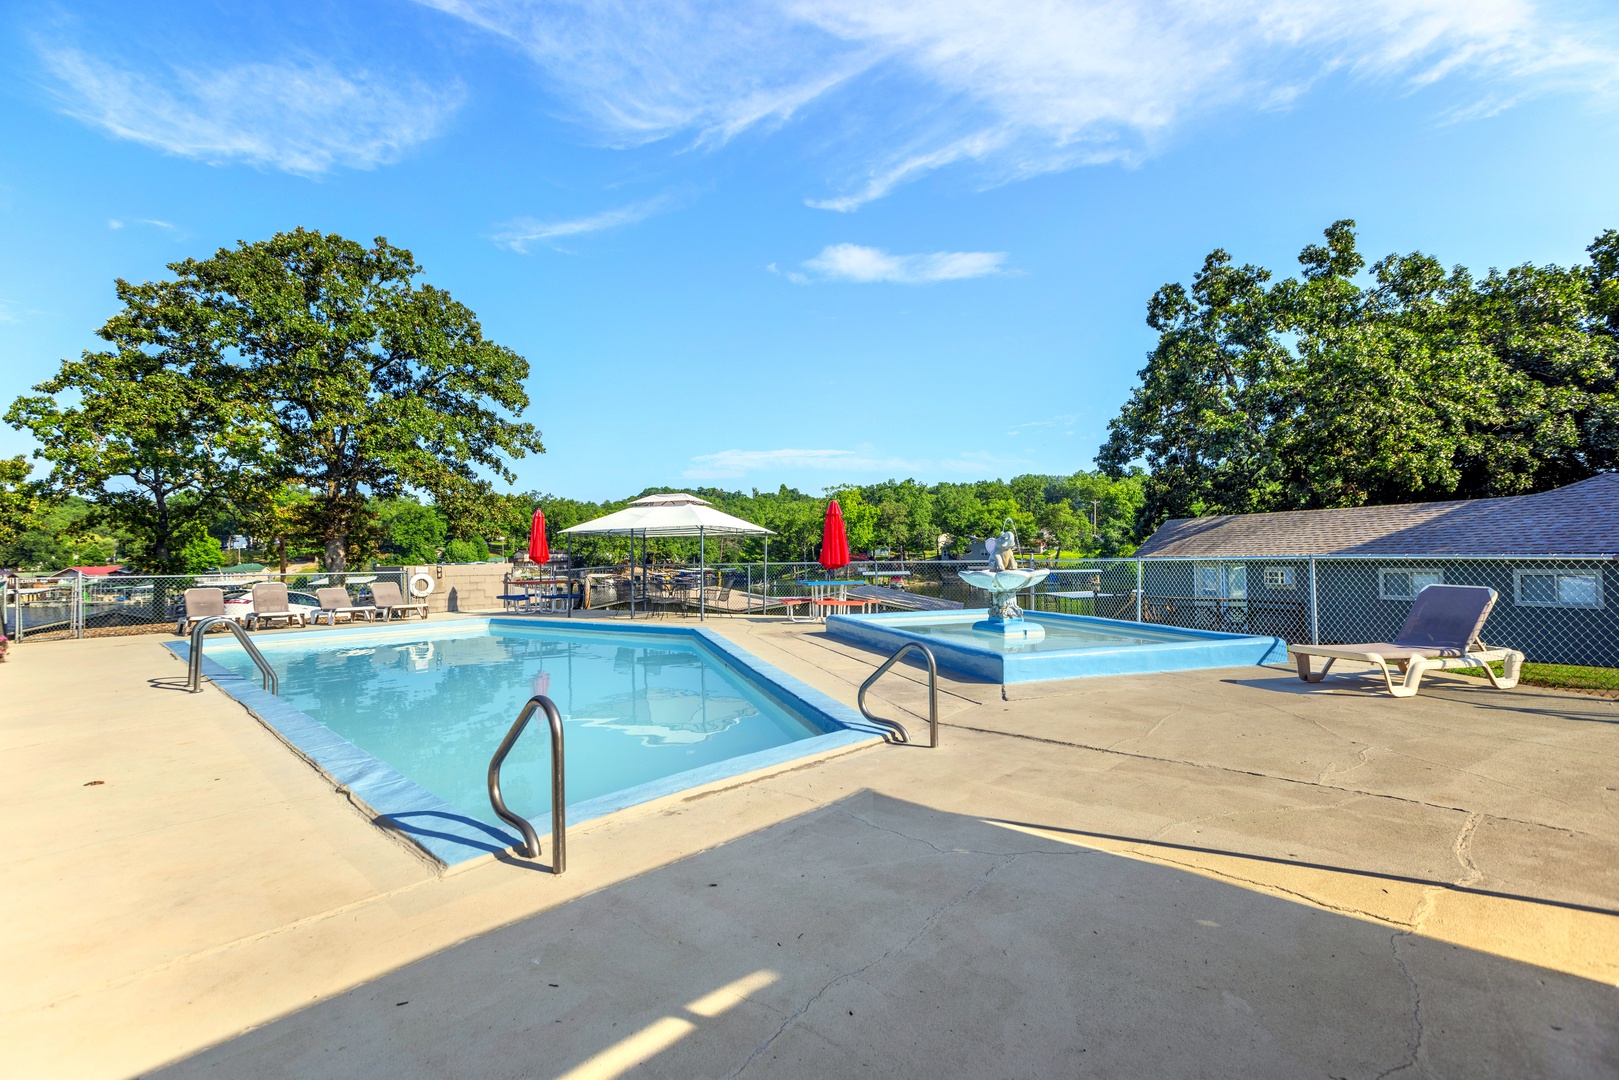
1222 581
1278 577
1405 584
1557 588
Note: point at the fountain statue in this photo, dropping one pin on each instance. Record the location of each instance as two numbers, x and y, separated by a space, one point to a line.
1003 581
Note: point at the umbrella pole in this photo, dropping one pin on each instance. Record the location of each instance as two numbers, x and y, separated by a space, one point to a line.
702 577
570 615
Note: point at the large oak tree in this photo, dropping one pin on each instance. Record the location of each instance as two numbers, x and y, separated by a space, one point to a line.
367 381
151 430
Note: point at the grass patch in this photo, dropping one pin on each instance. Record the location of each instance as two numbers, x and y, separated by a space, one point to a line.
1601 680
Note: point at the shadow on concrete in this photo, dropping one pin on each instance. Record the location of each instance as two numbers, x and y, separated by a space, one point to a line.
880 938
1563 705
1082 835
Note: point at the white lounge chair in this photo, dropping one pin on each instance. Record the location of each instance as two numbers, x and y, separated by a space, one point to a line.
336 601
270 605
389 601
1440 632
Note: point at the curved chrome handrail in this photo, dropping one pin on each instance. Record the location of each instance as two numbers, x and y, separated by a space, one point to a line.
559 825
194 661
933 693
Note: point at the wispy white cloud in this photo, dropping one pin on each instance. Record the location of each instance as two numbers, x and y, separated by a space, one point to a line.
1013 90
854 263
119 223
1064 421
847 464
640 72
733 464
521 234
304 117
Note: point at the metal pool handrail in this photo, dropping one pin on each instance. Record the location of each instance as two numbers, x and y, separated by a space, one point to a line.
194 662
933 693
559 825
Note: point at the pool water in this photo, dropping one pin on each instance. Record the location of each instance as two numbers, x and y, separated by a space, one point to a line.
1059 637
635 707
1074 646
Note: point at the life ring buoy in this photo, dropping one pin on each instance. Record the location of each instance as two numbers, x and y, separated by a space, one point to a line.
421 585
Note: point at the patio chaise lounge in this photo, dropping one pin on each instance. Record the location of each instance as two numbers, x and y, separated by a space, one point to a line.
1440 632
270 604
336 601
389 601
200 604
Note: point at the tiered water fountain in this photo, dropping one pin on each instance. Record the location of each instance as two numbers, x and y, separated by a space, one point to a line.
1003 581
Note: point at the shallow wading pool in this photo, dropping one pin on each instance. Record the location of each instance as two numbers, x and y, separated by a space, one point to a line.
407 717
1075 646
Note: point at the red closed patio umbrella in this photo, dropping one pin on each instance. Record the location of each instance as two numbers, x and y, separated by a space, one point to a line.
539 550
834 540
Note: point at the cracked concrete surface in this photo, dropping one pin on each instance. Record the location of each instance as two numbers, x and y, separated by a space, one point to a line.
1198 874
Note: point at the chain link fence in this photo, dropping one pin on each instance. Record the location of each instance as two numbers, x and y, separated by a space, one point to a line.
1562 613
1559 612
75 606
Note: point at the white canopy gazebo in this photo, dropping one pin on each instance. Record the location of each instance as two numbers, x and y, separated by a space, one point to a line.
675 514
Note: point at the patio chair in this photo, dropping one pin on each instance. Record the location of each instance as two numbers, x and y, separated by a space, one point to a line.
270 605
1440 632
335 601
389 601
199 604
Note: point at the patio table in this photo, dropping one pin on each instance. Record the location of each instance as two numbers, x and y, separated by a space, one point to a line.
829 593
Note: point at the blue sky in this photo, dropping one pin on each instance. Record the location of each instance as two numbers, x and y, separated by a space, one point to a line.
769 243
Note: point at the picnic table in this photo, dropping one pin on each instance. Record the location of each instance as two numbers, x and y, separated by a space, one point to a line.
825 595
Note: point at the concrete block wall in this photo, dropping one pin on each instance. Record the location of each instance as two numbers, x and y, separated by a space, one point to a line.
461 586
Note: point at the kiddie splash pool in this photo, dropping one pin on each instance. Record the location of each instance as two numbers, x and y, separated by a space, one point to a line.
1074 646
407 717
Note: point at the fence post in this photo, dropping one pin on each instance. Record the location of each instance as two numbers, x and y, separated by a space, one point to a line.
78 606
750 588
1315 612
1140 577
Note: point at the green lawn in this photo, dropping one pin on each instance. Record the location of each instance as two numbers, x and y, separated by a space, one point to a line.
1559 676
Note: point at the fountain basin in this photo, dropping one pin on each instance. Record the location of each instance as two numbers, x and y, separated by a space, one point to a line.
1003 581
1073 646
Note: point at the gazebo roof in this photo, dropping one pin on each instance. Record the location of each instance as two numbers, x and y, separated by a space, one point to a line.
673 514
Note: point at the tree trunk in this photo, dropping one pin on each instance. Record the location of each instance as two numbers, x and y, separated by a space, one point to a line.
336 559
281 550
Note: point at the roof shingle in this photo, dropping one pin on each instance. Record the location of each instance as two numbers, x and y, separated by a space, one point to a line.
1580 519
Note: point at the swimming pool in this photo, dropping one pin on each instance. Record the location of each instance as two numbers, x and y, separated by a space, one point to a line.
408 716
1074 646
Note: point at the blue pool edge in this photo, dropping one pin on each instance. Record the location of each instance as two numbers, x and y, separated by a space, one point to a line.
447 833
1206 649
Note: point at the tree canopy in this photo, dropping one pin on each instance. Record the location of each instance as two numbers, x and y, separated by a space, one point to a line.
152 429
295 379
367 382
1331 390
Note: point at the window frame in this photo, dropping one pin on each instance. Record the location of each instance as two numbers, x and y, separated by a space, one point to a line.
1225 572
1518 574
1409 571
1285 578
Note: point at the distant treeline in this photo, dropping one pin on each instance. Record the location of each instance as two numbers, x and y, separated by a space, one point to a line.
1052 514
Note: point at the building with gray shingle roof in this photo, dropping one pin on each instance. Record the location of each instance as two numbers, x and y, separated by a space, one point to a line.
1580 519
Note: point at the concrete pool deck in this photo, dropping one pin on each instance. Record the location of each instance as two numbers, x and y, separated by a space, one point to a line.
1201 873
